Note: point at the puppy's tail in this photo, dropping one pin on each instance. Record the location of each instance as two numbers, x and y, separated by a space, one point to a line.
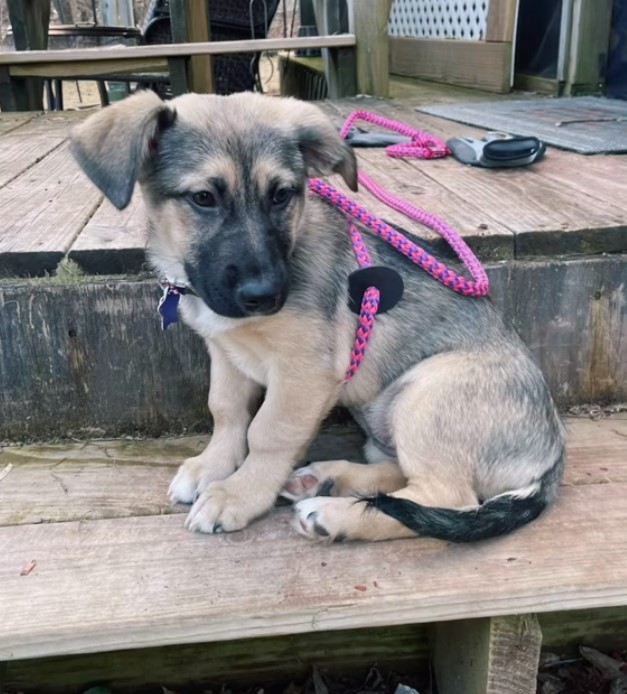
496 516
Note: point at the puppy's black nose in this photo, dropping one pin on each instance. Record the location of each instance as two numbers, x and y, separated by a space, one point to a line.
259 296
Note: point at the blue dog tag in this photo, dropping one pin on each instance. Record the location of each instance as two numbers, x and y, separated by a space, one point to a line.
169 306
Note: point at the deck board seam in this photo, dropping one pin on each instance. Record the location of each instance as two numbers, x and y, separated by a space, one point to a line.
72 241
19 125
36 161
456 194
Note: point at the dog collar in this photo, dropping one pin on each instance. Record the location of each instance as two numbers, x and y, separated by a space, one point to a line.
169 302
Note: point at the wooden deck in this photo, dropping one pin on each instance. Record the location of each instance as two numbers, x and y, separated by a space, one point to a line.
93 559
565 205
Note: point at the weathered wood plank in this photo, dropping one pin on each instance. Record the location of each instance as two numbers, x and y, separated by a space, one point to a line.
501 20
571 313
100 479
407 178
603 628
29 143
599 177
578 313
12 121
37 231
146 581
113 241
371 19
603 177
18 153
590 45
497 655
49 492
86 69
466 63
402 649
46 121
428 92
547 216
173 50
596 451
71 365
247 662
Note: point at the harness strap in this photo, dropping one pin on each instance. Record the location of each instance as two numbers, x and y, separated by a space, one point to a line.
423 146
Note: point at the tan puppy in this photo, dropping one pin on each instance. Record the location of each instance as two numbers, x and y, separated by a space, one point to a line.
462 432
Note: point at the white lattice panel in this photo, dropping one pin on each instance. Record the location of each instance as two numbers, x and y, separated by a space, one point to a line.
439 19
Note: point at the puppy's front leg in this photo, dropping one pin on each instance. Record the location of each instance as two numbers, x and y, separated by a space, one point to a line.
232 400
285 424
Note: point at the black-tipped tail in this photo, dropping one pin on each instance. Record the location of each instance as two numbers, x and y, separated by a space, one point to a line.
496 516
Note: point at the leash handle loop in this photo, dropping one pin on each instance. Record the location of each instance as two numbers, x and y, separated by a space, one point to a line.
422 146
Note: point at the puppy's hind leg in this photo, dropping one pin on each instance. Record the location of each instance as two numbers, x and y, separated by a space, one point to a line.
459 435
324 518
435 475
343 478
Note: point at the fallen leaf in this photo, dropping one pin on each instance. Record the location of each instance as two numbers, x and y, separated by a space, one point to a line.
318 682
552 686
27 568
607 667
292 688
6 471
404 689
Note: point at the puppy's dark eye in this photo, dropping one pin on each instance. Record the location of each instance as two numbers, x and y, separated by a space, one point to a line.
204 199
282 196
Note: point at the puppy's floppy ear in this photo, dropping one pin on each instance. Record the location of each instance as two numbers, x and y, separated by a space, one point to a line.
114 146
325 151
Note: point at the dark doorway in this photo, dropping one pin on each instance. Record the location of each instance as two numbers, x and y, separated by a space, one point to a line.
538 37
617 57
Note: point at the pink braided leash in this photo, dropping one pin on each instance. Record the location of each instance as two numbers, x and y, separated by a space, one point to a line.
423 146
368 310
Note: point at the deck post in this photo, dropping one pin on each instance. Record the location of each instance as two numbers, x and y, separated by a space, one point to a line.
495 655
190 24
7 91
339 63
29 22
371 19
339 68
589 47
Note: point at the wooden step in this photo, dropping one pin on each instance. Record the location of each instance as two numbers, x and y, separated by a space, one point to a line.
111 567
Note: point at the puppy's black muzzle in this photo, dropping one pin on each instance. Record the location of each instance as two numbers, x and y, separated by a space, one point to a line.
240 290
261 296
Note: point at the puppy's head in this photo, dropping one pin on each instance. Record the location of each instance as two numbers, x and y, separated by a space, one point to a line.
224 180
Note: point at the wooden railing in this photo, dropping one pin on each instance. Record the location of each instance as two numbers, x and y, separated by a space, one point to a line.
354 62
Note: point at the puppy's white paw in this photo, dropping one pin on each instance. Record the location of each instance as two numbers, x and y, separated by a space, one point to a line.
194 476
325 519
184 485
221 507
